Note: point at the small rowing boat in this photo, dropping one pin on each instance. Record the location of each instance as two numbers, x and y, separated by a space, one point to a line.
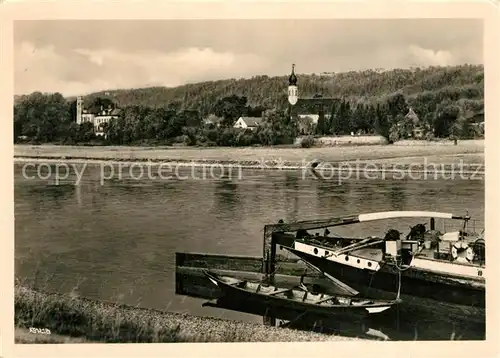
298 298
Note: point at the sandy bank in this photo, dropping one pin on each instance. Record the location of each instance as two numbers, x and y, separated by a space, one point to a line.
467 152
297 155
79 320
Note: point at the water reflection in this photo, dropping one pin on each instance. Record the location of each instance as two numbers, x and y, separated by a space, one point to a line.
333 196
119 239
396 196
292 199
226 196
41 197
401 323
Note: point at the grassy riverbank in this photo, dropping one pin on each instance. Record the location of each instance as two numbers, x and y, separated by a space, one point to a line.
470 152
73 319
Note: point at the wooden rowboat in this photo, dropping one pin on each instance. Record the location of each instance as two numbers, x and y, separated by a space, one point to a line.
298 299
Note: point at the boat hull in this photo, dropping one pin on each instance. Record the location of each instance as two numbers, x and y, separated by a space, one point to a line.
414 282
244 297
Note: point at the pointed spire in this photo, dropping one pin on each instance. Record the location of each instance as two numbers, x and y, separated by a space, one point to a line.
292 80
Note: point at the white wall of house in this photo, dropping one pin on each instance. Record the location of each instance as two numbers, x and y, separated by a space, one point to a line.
240 123
211 122
99 122
313 117
86 117
252 123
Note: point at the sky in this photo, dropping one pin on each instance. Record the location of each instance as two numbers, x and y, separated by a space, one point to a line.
83 56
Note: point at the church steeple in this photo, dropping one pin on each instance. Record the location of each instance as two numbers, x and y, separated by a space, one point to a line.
293 91
292 80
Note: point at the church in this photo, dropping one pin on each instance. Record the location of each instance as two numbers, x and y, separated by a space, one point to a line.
307 111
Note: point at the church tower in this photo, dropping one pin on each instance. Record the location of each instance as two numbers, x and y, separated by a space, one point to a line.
293 91
79 109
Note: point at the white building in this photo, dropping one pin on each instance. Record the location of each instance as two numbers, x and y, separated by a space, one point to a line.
213 120
98 118
248 122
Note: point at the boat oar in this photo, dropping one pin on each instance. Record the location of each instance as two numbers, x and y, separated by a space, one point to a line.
356 246
335 281
348 247
328 298
342 285
277 292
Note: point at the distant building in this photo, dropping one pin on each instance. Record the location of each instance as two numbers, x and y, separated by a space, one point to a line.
97 115
477 122
248 122
307 123
476 117
213 120
411 115
418 131
313 118
306 112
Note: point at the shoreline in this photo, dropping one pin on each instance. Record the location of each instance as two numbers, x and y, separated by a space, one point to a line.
372 166
473 150
466 159
80 319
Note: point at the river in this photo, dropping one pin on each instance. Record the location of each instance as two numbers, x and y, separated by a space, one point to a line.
115 239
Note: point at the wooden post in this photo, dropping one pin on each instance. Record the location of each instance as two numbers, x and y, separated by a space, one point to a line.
269 265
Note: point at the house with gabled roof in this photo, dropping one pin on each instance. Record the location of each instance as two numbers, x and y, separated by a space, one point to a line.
418 130
411 115
248 122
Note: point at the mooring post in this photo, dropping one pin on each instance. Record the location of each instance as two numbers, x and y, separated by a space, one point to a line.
269 264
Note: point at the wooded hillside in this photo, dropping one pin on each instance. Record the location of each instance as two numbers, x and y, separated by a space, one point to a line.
423 89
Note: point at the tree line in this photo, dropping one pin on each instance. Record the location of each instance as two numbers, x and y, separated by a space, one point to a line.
443 98
389 119
50 118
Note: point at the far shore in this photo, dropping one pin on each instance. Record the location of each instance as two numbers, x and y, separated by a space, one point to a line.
468 156
472 151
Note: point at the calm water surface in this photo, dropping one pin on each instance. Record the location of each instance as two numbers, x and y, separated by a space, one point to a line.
117 241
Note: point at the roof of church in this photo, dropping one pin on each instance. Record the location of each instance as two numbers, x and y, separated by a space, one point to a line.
292 80
312 105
